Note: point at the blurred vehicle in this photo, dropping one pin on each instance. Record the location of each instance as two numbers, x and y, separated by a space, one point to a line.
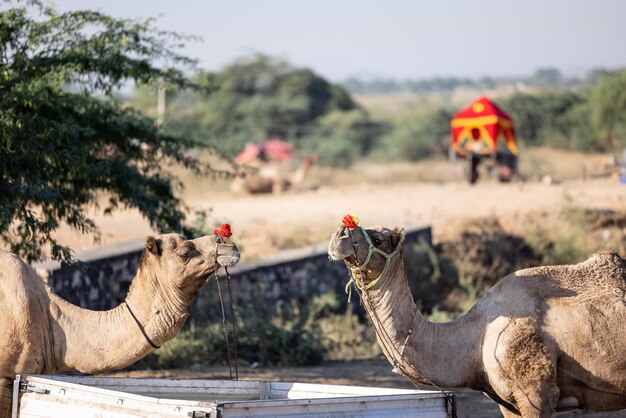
475 133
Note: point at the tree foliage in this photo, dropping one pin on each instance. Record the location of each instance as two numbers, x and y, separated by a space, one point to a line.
259 98
543 119
340 138
65 140
608 103
543 78
418 136
589 120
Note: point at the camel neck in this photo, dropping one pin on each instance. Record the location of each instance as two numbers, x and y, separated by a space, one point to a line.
93 341
299 175
426 352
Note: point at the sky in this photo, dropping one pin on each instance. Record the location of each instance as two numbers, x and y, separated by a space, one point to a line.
401 39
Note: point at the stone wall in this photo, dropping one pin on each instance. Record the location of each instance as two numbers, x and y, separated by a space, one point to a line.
103 281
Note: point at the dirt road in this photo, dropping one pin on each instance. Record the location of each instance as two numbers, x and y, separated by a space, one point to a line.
265 224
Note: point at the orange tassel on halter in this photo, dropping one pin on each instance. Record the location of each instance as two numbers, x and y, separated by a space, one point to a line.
351 221
223 231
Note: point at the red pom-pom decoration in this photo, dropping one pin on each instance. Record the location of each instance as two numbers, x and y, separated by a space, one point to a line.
223 231
351 221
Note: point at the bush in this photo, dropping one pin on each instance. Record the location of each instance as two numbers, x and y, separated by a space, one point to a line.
347 337
577 234
271 333
341 137
185 350
420 136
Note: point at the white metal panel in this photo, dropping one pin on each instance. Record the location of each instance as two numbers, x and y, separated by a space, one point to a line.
188 389
92 397
284 390
63 399
397 406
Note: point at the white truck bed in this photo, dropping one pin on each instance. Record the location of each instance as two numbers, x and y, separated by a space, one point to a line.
105 397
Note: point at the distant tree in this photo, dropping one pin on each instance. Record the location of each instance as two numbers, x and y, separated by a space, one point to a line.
65 141
577 130
557 127
527 113
608 104
594 76
323 97
259 97
546 77
544 118
342 137
416 137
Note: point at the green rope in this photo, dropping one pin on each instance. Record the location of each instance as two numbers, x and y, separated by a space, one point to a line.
370 251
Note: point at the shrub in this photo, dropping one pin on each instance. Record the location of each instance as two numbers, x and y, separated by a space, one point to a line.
415 137
341 137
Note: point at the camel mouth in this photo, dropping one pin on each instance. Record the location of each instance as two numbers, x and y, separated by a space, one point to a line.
227 260
339 246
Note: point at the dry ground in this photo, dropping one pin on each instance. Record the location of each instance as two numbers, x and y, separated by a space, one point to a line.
265 224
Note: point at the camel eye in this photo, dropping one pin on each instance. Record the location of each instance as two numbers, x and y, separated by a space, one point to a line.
187 256
218 239
377 241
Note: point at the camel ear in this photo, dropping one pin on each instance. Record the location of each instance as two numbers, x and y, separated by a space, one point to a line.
397 237
152 246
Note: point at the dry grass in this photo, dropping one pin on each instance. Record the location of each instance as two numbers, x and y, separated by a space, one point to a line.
561 164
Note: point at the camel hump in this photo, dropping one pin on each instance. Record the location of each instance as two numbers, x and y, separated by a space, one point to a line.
603 270
17 281
606 264
12 267
16 274
610 257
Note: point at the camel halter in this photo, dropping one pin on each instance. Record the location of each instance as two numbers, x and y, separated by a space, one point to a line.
371 249
222 232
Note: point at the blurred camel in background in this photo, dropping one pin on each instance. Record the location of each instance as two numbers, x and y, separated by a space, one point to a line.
271 178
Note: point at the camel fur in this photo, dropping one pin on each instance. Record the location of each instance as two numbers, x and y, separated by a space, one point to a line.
270 179
42 333
541 340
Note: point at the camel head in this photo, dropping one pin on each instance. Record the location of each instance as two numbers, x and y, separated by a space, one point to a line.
188 264
371 249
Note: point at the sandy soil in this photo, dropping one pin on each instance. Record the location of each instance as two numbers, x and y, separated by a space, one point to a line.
265 224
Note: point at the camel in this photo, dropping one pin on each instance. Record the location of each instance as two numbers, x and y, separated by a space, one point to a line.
270 179
541 340
41 333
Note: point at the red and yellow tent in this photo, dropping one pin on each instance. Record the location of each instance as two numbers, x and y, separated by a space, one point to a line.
478 127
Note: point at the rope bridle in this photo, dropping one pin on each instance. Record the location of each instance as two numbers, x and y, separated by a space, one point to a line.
383 336
371 249
218 240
